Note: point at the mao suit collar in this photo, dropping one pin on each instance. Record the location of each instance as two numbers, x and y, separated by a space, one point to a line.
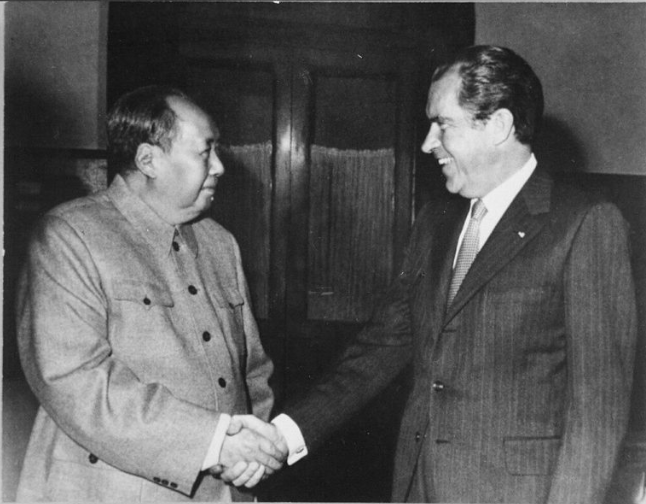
157 232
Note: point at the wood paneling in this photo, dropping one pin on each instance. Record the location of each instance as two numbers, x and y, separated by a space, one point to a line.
351 231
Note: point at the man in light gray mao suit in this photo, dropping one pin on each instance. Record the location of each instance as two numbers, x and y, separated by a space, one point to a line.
135 329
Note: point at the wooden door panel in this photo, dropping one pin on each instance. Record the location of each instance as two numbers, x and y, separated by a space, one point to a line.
352 186
350 231
317 181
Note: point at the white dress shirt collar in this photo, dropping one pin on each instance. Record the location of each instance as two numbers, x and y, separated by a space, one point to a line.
497 202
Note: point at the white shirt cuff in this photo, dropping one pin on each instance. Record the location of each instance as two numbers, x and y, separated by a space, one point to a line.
213 455
292 434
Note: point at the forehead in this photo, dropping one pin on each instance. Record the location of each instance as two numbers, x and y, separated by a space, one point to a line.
192 122
443 95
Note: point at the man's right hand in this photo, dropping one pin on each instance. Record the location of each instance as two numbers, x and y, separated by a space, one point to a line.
252 449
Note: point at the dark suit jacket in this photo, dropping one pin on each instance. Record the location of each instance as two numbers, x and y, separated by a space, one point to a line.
521 387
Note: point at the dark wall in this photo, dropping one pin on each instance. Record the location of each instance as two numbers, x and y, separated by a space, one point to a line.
55 74
590 57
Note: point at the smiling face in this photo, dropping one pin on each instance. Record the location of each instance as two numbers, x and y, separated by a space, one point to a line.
187 172
463 147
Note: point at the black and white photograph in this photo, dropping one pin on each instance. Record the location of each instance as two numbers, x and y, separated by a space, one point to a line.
307 251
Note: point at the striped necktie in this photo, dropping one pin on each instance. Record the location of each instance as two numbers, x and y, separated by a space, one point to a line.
468 249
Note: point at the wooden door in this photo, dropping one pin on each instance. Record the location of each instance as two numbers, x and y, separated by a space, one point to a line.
318 193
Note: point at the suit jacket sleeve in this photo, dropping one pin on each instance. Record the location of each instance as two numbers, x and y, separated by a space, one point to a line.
601 331
371 361
375 357
140 428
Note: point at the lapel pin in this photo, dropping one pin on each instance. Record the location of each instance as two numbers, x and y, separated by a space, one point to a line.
521 234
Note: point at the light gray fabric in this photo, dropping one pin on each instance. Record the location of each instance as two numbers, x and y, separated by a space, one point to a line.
112 320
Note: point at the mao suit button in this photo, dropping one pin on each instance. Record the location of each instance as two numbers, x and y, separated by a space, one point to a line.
93 458
206 336
438 386
175 246
192 289
147 301
222 382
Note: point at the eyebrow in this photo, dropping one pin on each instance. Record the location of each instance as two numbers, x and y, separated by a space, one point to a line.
208 144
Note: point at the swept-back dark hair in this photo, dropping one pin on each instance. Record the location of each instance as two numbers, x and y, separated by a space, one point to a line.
140 116
495 77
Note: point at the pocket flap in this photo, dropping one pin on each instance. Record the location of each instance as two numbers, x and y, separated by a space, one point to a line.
142 292
229 297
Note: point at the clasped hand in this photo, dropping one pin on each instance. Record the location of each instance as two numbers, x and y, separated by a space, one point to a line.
252 450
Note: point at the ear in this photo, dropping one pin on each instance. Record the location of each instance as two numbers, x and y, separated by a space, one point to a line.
145 160
502 126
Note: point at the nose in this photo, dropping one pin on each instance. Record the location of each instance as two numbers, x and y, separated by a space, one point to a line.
216 168
432 140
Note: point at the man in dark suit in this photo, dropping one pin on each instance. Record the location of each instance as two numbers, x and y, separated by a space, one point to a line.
515 306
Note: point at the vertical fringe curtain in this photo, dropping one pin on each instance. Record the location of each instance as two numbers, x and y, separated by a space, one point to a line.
254 157
351 219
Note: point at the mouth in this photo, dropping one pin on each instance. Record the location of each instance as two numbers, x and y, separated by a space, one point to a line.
442 159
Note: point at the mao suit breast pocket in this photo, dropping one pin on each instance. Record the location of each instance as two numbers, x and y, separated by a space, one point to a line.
142 320
231 311
144 293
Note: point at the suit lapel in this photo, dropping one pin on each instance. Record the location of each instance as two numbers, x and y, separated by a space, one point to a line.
519 224
444 242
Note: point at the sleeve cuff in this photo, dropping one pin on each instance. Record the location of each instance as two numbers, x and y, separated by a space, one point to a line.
213 455
292 434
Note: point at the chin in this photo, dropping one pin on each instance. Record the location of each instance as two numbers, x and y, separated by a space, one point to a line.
203 209
452 188
206 202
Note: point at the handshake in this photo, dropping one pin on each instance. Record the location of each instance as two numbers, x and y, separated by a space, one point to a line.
252 450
